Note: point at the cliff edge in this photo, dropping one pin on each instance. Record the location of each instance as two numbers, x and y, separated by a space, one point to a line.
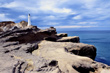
26 49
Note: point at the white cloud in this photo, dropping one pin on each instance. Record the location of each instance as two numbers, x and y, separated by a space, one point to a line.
26 17
22 17
87 22
22 6
82 22
89 3
52 23
60 10
102 17
52 6
74 26
77 17
14 4
5 1
93 22
48 6
34 17
3 17
50 17
96 9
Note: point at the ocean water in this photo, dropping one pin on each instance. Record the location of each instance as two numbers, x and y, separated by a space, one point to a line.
100 39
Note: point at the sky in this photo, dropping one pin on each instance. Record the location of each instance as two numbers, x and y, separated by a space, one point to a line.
61 14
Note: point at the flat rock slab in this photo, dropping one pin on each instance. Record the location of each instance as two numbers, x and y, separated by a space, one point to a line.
74 39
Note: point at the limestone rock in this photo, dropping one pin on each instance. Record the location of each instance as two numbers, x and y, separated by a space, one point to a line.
45 57
23 24
18 59
74 39
27 35
82 49
25 50
6 25
9 25
67 62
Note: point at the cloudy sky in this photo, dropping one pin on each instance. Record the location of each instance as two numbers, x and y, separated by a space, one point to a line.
62 14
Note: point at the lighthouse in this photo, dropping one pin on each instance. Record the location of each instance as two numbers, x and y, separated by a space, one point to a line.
29 20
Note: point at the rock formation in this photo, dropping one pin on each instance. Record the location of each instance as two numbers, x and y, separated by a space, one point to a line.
10 25
74 39
33 50
23 24
62 35
6 25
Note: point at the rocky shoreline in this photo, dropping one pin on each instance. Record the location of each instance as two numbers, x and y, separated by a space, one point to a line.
26 49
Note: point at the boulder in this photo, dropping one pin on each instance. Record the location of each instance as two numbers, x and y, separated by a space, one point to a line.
74 39
82 49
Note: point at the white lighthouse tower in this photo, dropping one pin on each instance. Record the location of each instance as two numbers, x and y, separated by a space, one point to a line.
29 20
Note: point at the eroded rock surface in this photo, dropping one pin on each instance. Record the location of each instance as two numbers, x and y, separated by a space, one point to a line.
27 35
68 62
26 50
6 25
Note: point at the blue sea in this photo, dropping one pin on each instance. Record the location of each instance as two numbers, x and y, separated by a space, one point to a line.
100 39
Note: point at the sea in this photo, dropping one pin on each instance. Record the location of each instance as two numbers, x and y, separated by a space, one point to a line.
99 38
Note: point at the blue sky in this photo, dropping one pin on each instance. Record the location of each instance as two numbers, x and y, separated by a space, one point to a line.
62 14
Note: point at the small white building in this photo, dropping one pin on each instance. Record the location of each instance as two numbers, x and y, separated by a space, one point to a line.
29 20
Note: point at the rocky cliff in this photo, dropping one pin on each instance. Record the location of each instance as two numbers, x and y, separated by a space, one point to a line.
32 50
